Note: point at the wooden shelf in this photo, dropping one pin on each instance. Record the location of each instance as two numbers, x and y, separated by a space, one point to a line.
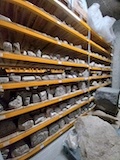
96 87
38 62
100 58
39 36
14 85
99 77
36 11
34 150
35 128
75 18
25 109
100 69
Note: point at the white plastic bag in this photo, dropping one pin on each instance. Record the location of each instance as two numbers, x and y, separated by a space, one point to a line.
102 25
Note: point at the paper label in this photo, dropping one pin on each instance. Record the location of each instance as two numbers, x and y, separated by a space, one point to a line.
58 22
6 143
59 62
2 117
60 99
1 55
42 146
60 81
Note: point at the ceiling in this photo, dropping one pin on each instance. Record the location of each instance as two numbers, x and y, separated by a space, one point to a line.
108 7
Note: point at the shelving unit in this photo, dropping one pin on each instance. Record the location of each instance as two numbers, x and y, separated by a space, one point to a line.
53 32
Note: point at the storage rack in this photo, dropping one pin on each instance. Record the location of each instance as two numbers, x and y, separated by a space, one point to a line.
30 32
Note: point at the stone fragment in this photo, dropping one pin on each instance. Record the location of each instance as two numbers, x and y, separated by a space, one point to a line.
53 128
38 137
59 76
24 53
30 53
19 148
15 78
83 86
66 119
97 139
6 128
5 152
71 101
71 116
16 48
45 56
7 46
35 98
5 18
26 98
94 83
106 99
86 73
51 77
4 79
39 53
60 91
74 88
62 105
50 95
85 99
49 111
43 95
37 78
45 77
3 104
68 89
61 123
57 110
25 122
28 78
39 118
16 103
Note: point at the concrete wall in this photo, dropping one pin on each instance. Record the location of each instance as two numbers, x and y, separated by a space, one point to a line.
116 57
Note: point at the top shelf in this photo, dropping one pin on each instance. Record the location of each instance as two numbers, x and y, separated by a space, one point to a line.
39 20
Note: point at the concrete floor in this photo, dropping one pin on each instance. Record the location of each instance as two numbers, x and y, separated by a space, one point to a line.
53 151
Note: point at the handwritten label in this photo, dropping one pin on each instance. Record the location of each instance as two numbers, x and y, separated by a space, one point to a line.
60 81
59 62
60 99
58 22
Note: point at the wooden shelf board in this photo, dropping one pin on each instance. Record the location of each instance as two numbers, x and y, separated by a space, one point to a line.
32 107
99 77
39 126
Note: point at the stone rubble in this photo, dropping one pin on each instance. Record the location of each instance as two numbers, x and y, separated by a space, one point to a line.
7 46
16 103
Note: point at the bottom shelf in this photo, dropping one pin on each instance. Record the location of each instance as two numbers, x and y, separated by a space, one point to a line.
45 143
40 146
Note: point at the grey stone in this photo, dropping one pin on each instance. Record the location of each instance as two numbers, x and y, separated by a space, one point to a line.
19 148
63 75
53 128
16 48
28 78
50 95
38 137
67 120
39 118
39 53
57 109
30 53
35 98
7 46
97 139
16 103
15 78
71 101
69 76
86 73
62 106
71 116
94 83
43 95
26 98
1 108
66 58
68 89
7 127
74 88
52 114
51 77
38 78
5 18
59 76
45 56
45 77
85 99
83 86
5 152
24 53
49 111
60 91
61 123
25 122
106 99
4 79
